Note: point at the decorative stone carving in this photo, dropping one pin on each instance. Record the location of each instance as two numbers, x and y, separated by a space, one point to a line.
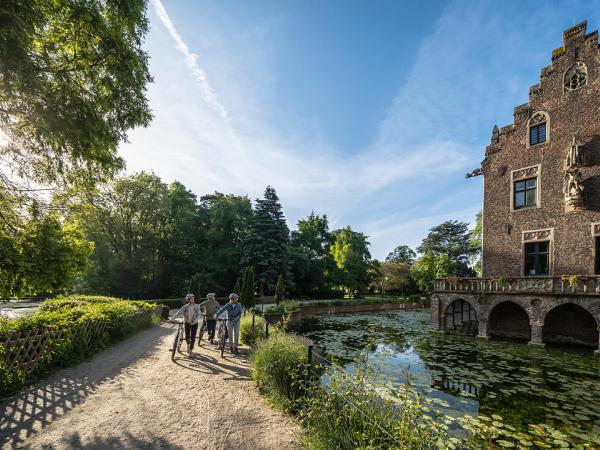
573 179
537 235
474 173
574 157
527 172
537 119
575 77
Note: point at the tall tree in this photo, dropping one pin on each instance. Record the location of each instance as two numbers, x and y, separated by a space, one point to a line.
45 255
247 298
312 264
431 266
267 245
225 219
393 277
402 254
476 242
350 251
451 238
279 290
127 220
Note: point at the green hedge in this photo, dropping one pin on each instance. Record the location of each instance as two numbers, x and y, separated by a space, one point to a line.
121 318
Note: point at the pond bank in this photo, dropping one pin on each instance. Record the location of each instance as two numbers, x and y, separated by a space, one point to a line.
297 316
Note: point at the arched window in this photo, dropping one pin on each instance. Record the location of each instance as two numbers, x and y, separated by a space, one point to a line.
538 127
575 77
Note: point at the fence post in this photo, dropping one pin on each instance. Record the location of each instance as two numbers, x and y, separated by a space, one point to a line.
253 319
267 330
309 363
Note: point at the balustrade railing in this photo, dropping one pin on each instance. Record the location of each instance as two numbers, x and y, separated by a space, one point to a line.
580 285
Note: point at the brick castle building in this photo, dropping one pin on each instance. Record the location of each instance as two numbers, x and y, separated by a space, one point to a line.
541 213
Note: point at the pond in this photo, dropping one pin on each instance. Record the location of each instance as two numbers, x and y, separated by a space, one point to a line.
523 384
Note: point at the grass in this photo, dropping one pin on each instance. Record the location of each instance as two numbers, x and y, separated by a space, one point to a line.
252 334
278 366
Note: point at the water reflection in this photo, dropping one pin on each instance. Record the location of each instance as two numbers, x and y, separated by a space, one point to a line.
524 384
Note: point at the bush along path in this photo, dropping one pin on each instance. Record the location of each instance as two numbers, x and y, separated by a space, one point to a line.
63 332
133 396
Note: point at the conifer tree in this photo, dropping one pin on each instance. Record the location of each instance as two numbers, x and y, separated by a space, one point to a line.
238 284
279 290
267 245
248 288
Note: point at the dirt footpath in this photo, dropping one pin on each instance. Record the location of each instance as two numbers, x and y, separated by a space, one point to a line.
133 396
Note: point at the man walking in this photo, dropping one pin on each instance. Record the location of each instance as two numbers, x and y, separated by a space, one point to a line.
211 305
234 315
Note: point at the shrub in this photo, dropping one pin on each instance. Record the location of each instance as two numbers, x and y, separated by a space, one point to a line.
278 366
332 420
249 334
69 314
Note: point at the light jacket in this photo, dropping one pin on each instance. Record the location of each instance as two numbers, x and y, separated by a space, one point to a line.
233 310
186 317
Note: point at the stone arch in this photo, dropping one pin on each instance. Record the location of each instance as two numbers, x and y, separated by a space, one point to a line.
508 319
570 323
460 317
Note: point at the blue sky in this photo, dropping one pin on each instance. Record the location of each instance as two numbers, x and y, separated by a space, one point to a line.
369 112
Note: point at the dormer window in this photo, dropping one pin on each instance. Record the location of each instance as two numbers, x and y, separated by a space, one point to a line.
538 129
575 77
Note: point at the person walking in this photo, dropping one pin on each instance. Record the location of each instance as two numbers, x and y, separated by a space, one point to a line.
210 306
191 313
234 315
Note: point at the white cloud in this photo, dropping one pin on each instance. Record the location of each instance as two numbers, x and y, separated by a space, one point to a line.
191 59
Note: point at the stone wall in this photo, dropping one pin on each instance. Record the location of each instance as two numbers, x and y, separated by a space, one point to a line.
569 113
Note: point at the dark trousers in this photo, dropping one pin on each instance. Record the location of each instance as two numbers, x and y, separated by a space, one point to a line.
190 334
211 325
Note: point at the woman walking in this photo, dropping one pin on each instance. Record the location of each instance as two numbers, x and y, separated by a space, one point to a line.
191 314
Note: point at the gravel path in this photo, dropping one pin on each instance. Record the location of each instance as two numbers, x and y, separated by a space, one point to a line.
133 396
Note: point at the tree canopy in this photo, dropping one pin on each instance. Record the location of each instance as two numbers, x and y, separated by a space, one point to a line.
73 78
350 251
451 238
402 254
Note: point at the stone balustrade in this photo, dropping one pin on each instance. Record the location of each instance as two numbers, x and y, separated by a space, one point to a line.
584 285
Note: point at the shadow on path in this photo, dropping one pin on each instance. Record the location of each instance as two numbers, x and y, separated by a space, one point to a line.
34 408
126 442
210 362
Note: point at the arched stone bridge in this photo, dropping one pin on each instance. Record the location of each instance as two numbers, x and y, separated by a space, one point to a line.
565 317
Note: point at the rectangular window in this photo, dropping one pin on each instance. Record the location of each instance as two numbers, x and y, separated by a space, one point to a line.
537 258
597 265
525 193
537 134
